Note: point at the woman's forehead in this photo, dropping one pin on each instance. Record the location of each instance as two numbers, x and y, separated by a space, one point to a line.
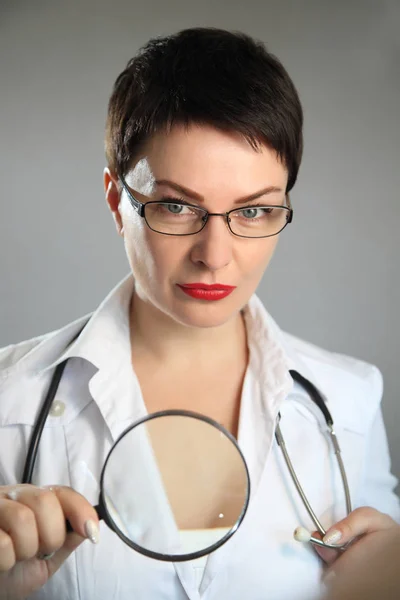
201 158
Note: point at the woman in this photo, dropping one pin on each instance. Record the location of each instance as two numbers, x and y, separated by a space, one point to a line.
200 124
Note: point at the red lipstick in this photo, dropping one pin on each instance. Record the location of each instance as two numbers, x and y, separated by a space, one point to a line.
203 291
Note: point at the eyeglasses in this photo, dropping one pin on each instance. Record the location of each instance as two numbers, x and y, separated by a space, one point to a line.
180 218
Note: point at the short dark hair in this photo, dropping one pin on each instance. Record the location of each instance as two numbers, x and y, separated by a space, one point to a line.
205 76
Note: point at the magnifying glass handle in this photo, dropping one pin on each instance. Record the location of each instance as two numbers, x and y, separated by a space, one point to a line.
100 514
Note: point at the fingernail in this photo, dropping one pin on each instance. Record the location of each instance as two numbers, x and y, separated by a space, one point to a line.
332 537
12 494
92 531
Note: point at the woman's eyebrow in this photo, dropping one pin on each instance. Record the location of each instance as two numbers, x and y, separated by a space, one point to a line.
191 194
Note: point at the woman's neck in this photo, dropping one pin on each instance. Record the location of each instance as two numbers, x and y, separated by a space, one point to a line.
156 336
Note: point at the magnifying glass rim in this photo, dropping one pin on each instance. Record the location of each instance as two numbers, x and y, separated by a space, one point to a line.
173 557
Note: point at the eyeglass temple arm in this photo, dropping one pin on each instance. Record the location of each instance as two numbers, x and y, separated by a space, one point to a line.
138 206
289 206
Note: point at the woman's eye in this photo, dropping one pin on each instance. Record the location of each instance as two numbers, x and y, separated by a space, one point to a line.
254 212
175 209
250 213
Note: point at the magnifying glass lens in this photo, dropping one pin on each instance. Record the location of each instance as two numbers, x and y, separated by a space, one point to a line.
175 486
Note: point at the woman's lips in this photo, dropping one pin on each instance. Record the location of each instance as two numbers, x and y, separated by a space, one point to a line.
203 291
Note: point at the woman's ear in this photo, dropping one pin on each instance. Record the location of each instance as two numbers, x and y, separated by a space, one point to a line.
112 193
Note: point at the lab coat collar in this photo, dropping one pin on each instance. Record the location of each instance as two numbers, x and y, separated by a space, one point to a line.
268 360
110 322
77 339
296 363
273 352
277 354
104 341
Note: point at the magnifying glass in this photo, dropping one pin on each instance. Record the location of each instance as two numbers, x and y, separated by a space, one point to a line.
175 486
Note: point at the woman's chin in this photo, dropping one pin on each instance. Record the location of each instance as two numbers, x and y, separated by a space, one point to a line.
203 317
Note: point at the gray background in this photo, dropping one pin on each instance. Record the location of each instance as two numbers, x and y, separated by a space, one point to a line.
334 280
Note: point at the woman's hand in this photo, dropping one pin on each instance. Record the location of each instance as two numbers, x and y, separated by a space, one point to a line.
355 528
33 538
369 569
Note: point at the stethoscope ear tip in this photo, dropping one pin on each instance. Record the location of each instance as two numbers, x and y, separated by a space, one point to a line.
301 534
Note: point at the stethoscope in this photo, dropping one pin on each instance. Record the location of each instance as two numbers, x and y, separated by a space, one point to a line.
300 534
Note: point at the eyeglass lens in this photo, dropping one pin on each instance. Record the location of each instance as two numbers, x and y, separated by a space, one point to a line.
178 219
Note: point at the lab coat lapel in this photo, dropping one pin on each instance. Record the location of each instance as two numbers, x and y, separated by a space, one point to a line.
266 385
118 397
186 575
262 432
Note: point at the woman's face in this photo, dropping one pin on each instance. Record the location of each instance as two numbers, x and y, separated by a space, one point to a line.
216 169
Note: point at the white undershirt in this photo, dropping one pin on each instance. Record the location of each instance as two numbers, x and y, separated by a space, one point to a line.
200 538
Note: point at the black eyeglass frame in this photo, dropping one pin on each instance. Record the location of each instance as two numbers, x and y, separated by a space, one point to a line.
140 207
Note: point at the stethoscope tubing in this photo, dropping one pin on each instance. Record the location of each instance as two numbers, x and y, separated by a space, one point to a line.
40 422
289 464
318 400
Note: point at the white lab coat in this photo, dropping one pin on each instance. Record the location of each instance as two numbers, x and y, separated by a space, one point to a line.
99 396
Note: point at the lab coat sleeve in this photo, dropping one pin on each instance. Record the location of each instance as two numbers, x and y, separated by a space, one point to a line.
378 483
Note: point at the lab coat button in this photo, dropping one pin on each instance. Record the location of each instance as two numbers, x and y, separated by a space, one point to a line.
57 409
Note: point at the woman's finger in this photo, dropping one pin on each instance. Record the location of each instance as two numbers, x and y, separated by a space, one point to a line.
79 512
34 519
75 508
50 521
83 519
328 556
7 552
359 522
18 522
72 541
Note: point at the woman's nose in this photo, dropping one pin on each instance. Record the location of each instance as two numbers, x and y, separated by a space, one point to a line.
213 245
